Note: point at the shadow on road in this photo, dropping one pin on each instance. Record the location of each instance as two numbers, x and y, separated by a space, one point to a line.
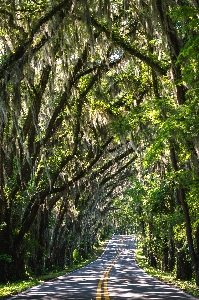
125 280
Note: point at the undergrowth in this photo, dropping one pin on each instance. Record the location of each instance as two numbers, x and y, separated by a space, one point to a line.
187 286
10 289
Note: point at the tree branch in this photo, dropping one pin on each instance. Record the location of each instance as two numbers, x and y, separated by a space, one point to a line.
17 55
119 40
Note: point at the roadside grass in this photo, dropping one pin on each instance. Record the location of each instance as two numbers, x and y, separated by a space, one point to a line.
187 286
10 289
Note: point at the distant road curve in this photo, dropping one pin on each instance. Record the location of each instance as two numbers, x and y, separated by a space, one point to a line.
114 275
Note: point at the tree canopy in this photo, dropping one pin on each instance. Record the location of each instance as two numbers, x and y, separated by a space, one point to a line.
98 130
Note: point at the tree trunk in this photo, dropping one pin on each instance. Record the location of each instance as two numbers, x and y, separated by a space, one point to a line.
41 249
197 263
165 261
171 256
152 260
180 192
12 260
184 267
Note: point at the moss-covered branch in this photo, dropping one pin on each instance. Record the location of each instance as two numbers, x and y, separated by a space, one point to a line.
127 46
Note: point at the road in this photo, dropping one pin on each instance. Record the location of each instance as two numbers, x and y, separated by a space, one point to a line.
114 275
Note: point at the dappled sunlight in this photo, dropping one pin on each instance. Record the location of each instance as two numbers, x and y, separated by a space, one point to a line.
71 286
128 281
116 269
80 284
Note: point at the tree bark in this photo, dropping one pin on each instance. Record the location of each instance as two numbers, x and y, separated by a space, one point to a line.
180 192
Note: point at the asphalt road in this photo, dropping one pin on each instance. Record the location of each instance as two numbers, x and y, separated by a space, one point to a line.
115 275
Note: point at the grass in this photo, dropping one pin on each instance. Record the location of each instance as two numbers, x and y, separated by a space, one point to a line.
11 289
188 286
14 288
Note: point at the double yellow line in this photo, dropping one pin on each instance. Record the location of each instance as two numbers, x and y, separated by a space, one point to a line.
104 279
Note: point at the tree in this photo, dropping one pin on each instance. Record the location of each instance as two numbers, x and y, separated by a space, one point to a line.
93 94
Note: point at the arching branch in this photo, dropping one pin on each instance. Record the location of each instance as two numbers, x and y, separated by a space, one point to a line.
119 40
17 55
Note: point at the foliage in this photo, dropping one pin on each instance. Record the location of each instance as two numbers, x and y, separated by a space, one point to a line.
98 117
10 289
168 277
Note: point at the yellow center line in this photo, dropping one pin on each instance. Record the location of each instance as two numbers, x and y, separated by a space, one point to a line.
104 278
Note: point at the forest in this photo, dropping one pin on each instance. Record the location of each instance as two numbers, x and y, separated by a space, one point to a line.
99 131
